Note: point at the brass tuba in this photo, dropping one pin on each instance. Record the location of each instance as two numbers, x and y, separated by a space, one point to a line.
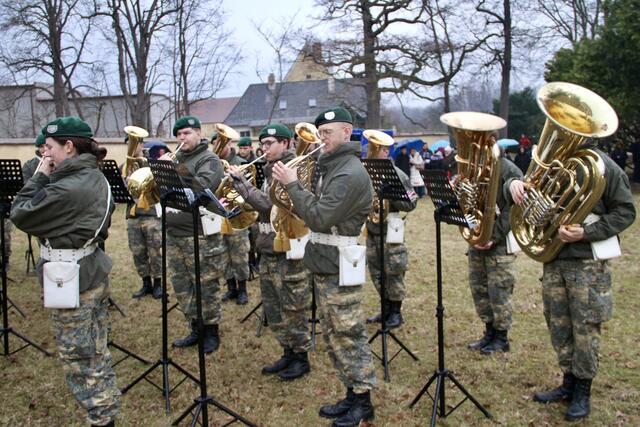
140 182
284 220
564 180
377 139
478 159
226 190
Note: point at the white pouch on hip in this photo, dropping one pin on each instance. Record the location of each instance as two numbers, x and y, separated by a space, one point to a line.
61 281
211 224
297 247
352 265
395 229
512 244
606 249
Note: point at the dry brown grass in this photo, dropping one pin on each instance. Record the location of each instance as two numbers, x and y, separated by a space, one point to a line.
33 391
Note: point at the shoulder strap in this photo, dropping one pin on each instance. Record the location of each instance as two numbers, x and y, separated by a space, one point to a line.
106 214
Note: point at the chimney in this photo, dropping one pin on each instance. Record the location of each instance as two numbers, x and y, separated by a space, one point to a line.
331 85
317 52
271 82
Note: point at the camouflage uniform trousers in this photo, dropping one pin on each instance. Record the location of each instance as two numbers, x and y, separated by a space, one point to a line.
396 260
491 280
286 297
577 299
238 247
213 262
145 242
81 340
344 332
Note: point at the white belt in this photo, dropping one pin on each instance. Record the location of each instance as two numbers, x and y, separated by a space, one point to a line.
265 227
66 255
333 239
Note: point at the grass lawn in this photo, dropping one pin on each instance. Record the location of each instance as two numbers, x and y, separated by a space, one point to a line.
33 390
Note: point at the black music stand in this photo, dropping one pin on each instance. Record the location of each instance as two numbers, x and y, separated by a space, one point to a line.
387 184
29 258
10 184
120 194
448 210
172 194
262 318
314 317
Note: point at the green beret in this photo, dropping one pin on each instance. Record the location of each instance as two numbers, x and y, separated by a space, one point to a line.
67 126
332 115
186 122
275 130
245 141
40 140
214 136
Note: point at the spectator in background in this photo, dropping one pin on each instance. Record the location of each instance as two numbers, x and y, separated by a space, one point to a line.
449 163
523 158
619 155
402 161
259 152
525 142
426 153
417 165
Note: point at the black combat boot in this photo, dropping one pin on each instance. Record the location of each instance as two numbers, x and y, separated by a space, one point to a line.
564 392
243 298
211 339
232 290
500 342
298 367
280 364
341 408
579 407
361 410
157 288
378 317
146 288
489 333
394 319
189 340
111 424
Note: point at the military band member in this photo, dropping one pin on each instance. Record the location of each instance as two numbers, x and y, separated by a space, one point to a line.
144 233
576 289
492 274
29 167
335 213
237 246
200 169
67 203
245 150
284 284
396 257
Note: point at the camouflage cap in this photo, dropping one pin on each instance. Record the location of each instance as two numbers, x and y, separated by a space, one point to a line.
245 141
67 126
275 130
332 115
186 122
40 140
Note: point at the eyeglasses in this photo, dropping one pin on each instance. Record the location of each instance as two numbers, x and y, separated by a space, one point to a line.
325 132
268 143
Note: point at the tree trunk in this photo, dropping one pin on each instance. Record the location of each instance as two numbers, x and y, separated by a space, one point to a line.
370 72
506 67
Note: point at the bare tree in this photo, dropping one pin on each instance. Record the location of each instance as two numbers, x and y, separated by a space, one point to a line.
47 38
203 52
136 26
571 20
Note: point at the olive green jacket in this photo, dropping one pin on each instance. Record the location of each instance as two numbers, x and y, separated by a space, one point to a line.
502 226
261 202
30 166
67 208
397 205
199 169
615 208
234 159
342 201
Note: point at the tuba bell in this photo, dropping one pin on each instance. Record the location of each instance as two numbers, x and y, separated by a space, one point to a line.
284 220
226 190
478 159
140 182
377 139
564 180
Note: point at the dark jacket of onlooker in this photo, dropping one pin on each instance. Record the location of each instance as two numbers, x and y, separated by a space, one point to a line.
522 159
402 161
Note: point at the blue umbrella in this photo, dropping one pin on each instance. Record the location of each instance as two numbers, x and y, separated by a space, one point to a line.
508 144
417 144
441 143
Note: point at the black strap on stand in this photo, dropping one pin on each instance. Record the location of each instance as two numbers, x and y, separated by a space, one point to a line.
10 184
29 258
387 185
314 316
120 194
171 195
448 210
262 318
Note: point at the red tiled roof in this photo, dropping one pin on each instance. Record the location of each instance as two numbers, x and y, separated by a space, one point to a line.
213 110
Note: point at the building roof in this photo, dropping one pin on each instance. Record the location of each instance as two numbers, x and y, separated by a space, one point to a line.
213 110
297 98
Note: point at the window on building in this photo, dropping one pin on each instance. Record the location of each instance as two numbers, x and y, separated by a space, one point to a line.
283 104
245 133
312 102
308 76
